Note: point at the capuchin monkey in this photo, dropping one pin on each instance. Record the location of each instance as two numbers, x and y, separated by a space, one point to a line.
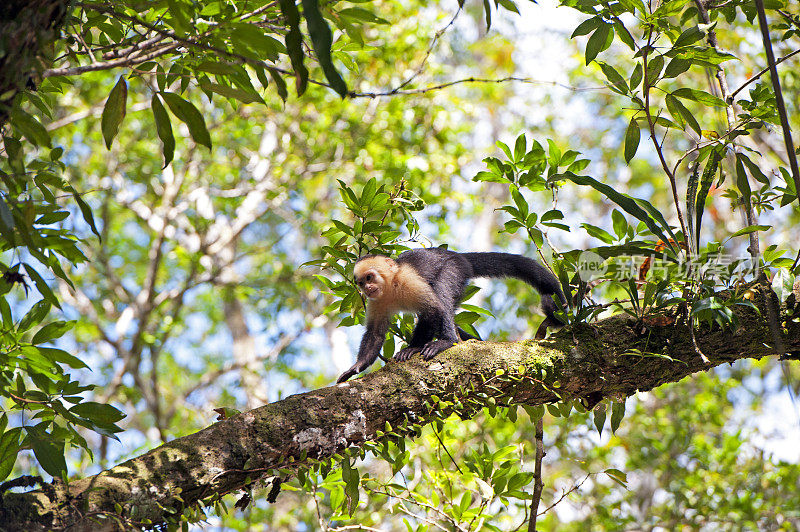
431 282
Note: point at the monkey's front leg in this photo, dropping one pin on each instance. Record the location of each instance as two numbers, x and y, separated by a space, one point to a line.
368 351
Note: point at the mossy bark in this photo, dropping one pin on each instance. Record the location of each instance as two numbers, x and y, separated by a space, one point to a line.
589 363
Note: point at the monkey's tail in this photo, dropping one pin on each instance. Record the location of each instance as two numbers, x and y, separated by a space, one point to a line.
492 264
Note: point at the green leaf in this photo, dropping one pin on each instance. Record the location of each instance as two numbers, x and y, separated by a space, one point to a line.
614 77
30 127
578 166
360 14
676 67
6 222
52 217
280 84
681 114
5 312
600 417
56 329
230 92
552 214
755 171
487 10
86 212
636 76
632 137
699 96
598 232
505 149
625 250
600 40
691 194
322 41
294 44
554 153
219 68
674 108
250 36
706 56
508 4
42 286
49 452
782 284
689 37
624 35
617 413
749 229
520 146
178 17
653 71
9 447
705 187
114 111
101 414
62 357
35 315
188 113
586 27
742 182
164 129
639 208
620 223
520 202
617 476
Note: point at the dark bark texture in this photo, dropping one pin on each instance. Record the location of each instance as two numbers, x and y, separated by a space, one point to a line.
589 363
28 29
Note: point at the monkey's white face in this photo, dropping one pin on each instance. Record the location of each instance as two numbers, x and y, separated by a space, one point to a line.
371 283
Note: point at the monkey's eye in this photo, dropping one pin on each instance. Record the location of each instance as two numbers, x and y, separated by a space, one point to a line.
368 277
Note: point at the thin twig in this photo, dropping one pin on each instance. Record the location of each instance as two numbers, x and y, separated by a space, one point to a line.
651 126
776 85
730 115
393 92
357 527
321 521
435 39
538 484
142 45
436 433
763 71
107 65
564 495
697 349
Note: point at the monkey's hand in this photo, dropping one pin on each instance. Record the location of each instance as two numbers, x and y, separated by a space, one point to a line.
435 347
406 352
354 370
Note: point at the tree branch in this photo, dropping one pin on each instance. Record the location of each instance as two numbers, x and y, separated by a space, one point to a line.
291 433
776 86
538 484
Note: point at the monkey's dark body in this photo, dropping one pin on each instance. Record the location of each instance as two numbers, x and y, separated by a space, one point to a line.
447 274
